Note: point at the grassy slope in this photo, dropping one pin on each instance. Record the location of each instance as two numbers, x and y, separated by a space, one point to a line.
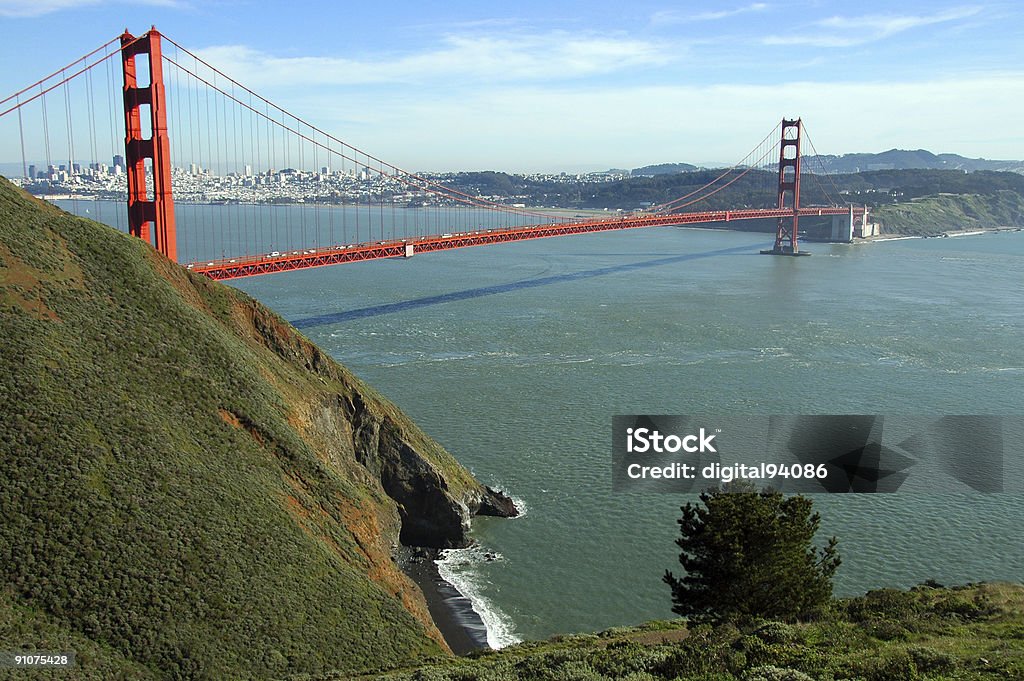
947 212
179 497
973 633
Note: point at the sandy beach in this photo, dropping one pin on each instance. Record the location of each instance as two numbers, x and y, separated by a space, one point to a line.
452 612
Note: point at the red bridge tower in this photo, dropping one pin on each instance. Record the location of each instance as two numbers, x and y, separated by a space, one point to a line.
789 183
141 209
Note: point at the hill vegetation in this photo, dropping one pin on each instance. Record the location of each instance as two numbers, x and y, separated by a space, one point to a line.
972 633
932 214
906 201
906 159
749 554
662 169
188 487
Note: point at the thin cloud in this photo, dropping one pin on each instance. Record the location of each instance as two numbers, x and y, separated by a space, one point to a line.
676 17
26 9
554 56
840 31
469 24
486 128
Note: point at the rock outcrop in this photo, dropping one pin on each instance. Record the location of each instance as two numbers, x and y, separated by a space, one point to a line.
435 496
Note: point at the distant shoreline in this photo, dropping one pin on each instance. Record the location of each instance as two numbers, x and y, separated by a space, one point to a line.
951 233
583 212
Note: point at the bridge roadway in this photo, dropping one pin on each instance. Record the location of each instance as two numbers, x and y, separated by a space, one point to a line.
247 266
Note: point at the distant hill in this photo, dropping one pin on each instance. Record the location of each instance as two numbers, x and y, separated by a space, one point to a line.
894 159
931 201
901 159
188 487
662 169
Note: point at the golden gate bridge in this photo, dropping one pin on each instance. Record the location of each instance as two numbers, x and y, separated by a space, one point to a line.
386 212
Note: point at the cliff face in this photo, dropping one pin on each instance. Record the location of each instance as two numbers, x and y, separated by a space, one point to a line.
190 488
435 495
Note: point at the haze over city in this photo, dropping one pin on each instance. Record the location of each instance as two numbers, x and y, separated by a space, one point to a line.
580 86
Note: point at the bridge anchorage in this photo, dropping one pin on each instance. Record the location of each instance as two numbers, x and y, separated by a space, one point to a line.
252 159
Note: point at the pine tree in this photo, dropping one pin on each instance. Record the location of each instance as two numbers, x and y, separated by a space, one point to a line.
749 555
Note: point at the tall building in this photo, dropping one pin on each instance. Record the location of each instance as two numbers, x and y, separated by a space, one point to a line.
119 161
32 172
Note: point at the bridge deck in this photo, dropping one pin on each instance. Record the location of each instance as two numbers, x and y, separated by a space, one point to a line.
248 266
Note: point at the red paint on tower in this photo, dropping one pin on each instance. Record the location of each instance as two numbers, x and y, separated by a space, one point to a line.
141 210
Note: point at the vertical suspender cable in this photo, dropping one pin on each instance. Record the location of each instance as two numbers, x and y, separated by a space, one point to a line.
222 221
239 157
71 144
301 212
21 134
209 161
46 136
94 166
331 200
255 150
344 197
317 189
358 190
179 153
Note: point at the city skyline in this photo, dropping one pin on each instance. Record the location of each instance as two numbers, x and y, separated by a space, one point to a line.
584 87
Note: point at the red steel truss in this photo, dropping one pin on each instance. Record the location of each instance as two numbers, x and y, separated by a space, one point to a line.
319 257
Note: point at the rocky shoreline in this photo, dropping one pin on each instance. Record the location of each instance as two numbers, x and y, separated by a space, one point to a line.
452 611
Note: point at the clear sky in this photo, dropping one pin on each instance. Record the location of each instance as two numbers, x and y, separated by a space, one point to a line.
583 85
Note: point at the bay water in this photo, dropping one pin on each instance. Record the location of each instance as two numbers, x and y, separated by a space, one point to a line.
516 357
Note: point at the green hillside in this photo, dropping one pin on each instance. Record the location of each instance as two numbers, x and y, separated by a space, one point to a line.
934 214
189 488
973 633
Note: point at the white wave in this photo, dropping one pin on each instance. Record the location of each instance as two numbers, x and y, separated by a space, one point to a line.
520 505
772 352
460 568
450 357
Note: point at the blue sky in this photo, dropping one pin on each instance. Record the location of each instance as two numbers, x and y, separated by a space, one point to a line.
567 86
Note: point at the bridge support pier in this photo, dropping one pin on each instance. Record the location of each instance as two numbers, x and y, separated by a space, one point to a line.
141 209
786 236
842 228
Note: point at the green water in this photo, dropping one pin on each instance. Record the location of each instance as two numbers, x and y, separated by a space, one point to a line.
516 357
